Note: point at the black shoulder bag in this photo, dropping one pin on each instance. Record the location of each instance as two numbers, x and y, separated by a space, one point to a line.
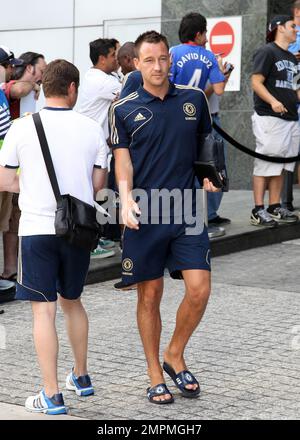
75 220
211 162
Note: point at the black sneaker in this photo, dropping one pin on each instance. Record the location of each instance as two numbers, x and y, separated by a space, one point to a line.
217 221
215 231
283 215
122 286
288 206
7 291
262 218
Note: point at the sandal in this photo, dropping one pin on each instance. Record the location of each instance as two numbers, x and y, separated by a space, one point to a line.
182 379
159 390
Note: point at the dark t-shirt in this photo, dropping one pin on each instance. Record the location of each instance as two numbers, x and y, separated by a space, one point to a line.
280 68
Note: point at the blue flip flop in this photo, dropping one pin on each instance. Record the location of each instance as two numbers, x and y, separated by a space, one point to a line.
182 379
159 390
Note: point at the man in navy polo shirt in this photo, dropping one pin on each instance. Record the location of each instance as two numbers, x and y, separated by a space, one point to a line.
154 133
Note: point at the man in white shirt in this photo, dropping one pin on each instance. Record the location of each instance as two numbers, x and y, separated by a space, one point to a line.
99 87
49 264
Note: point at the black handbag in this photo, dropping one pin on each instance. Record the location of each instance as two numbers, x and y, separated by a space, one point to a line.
75 220
211 162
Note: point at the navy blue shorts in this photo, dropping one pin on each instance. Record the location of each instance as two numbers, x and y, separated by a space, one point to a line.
152 248
49 265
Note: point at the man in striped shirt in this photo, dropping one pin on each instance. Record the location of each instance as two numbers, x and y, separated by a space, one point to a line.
7 63
4 116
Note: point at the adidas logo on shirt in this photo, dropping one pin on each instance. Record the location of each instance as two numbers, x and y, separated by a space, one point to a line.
139 117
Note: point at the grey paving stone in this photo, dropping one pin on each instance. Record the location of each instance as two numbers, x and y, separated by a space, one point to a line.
245 352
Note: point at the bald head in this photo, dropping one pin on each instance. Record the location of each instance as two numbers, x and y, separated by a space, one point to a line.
126 54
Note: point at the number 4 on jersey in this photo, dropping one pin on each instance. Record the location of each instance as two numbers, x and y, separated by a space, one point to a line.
195 80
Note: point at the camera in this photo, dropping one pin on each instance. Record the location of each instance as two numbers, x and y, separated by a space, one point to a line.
229 68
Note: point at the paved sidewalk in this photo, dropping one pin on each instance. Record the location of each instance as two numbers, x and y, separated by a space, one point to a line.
17 412
246 352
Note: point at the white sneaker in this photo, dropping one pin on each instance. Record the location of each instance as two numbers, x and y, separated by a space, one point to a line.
47 405
82 385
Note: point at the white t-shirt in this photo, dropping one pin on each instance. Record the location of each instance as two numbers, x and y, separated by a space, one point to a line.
76 145
97 92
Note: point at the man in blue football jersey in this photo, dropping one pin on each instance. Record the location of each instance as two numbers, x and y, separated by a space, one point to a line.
155 136
192 64
196 66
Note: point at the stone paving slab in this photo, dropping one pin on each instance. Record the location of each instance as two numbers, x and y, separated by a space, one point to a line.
246 352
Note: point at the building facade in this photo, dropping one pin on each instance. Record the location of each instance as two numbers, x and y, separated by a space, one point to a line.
63 29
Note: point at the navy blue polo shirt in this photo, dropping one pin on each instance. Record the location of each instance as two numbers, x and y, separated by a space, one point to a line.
131 83
161 135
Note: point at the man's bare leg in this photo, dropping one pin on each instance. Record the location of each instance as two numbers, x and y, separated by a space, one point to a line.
10 253
149 324
46 343
189 314
259 188
77 327
275 188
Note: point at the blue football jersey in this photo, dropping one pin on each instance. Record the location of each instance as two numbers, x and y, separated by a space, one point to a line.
193 65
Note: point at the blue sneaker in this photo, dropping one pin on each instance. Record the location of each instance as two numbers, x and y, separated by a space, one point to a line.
48 405
82 385
106 244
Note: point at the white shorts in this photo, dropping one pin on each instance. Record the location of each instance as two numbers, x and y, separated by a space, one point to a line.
274 137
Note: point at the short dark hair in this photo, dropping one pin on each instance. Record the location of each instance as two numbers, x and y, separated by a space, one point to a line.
190 25
127 50
150 37
100 47
30 59
58 76
115 42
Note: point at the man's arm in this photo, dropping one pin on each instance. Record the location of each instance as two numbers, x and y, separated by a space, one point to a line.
218 88
124 178
9 180
258 87
22 88
99 178
110 88
209 91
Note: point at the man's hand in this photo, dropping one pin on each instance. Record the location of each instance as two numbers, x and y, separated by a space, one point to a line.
129 212
297 55
278 107
37 91
208 186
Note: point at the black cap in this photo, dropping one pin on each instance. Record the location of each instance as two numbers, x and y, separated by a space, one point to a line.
274 23
7 56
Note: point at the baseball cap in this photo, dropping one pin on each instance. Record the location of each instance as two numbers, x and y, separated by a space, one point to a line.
7 56
274 23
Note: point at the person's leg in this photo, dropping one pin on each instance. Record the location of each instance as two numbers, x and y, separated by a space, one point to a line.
46 343
10 253
213 204
149 324
275 188
259 188
77 327
10 240
189 314
287 189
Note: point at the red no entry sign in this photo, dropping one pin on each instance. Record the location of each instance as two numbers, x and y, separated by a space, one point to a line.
222 38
